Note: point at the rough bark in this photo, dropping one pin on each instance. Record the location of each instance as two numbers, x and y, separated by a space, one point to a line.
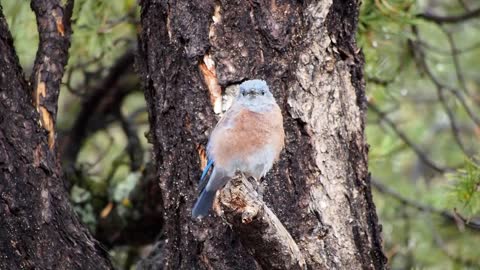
38 227
319 190
53 22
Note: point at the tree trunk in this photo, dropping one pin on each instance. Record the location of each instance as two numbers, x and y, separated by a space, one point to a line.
316 211
38 227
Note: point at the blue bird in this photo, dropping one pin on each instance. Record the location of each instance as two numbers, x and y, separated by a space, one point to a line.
247 139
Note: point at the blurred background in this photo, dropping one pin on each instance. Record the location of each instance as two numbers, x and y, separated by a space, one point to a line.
423 86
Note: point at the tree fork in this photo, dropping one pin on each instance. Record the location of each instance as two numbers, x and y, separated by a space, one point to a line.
38 227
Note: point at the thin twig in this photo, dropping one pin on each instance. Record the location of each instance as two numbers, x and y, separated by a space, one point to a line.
407 140
443 247
451 19
134 147
420 57
453 217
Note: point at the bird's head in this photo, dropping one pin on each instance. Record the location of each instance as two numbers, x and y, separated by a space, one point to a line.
255 93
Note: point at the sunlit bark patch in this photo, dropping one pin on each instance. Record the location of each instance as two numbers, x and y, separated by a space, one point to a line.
207 67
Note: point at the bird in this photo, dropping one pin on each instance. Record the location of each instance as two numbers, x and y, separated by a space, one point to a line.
247 139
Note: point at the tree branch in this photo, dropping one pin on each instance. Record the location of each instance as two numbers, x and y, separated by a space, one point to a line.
460 78
454 217
104 101
420 57
444 247
134 146
53 22
258 228
450 19
421 155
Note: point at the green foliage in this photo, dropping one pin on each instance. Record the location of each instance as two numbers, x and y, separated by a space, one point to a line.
398 86
23 27
465 193
103 30
81 199
381 33
101 27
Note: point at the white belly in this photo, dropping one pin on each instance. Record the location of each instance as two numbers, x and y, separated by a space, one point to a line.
256 164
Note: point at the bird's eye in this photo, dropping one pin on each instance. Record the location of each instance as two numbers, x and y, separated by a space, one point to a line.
243 93
263 93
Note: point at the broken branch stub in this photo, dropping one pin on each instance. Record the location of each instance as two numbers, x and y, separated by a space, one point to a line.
258 228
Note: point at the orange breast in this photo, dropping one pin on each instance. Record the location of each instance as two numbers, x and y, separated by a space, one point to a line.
242 133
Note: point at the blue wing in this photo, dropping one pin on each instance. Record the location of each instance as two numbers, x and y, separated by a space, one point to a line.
217 180
201 183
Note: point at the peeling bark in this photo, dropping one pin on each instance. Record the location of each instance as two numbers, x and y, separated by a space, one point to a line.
53 22
320 189
38 227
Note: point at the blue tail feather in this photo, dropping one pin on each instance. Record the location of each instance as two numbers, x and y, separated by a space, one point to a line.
204 173
204 203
